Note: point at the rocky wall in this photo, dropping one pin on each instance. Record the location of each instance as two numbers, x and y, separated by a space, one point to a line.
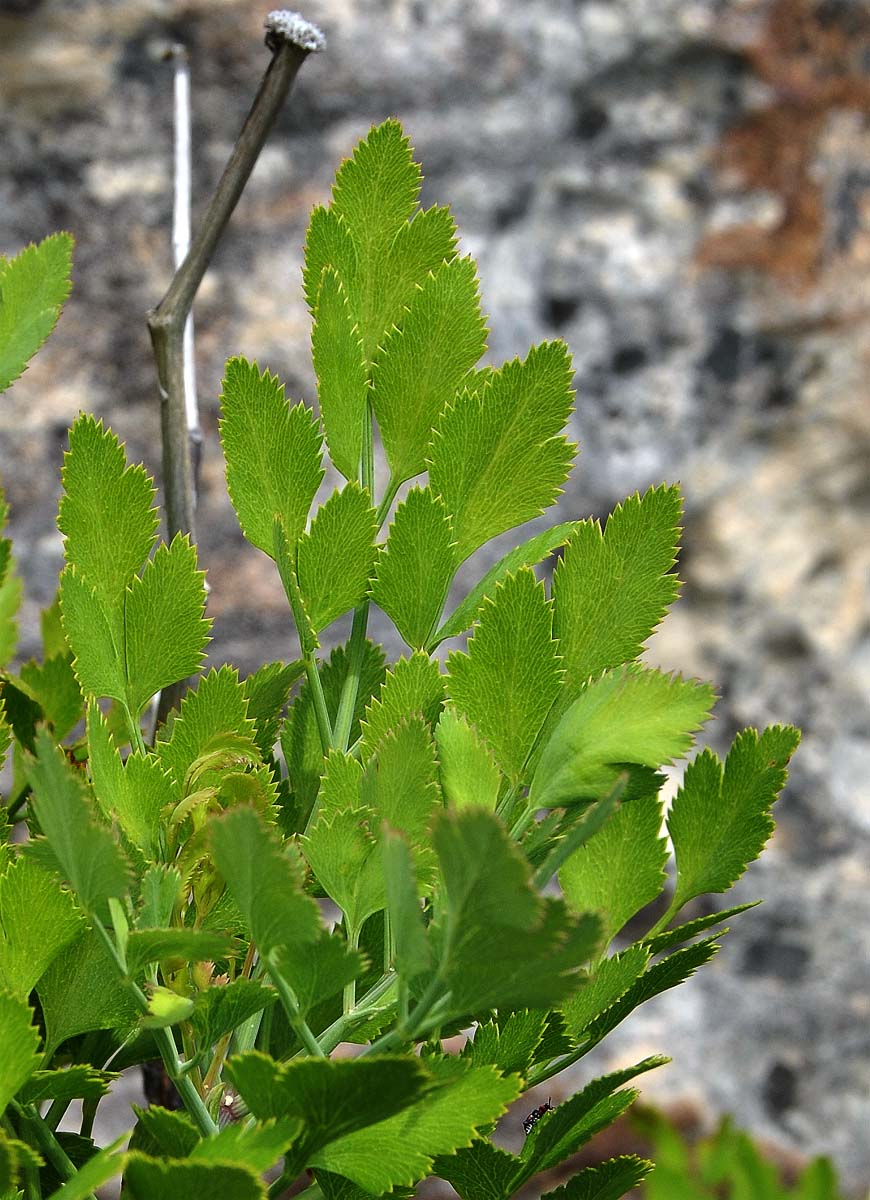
681 190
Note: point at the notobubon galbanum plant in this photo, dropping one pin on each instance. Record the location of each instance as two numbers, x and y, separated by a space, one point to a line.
168 903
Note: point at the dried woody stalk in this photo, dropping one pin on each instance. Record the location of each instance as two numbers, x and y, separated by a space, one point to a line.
291 38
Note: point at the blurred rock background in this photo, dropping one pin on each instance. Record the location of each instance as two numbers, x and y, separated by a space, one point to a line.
681 190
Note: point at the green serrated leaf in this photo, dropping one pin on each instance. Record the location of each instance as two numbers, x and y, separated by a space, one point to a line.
341 785
342 379
53 686
192 945
416 566
563 1131
37 919
15 1158
267 692
166 626
620 869
374 194
343 853
684 933
610 980
498 457
219 1010
551 841
207 714
412 687
400 787
422 360
335 559
818 1182
509 1043
528 554
401 1150
257 1147
94 637
11 590
265 880
33 287
660 977
611 588
78 1082
106 515
19 1038
183 1179
82 991
412 955
630 715
334 1098
99 1169
720 818
319 970
86 852
273 454
132 793
494 915
420 246
159 892
160 1132
469 774
511 675
328 243
480 1171
54 643
605 1181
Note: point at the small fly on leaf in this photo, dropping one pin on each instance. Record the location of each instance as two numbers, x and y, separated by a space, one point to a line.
535 1116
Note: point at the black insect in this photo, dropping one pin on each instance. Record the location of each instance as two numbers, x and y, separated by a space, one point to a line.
535 1116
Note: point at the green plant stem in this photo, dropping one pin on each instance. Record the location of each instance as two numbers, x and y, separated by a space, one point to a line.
324 727
418 1024
350 688
46 1141
89 1112
356 645
664 921
191 1098
291 1007
523 822
387 501
136 739
17 804
54 1113
349 997
543 1073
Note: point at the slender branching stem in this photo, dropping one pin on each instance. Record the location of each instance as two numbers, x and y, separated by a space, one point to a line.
290 45
290 39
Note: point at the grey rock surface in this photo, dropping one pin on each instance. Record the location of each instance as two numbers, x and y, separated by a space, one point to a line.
681 190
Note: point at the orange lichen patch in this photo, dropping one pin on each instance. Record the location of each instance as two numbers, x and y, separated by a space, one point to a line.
812 56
